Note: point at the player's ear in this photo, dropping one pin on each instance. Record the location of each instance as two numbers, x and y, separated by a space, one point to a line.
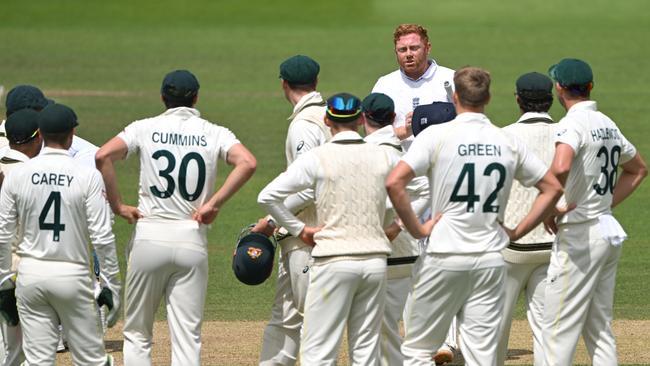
195 99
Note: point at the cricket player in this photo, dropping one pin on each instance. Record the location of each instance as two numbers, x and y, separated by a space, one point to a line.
589 149
25 142
470 164
526 260
379 113
419 80
57 204
347 284
168 255
307 130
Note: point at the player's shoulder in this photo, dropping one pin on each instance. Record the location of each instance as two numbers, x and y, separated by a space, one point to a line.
384 82
445 71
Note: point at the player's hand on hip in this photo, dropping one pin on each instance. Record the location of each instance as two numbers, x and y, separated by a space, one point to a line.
206 214
550 223
129 213
427 227
307 235
263 227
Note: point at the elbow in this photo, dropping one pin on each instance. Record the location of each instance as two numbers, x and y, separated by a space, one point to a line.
101 157
249 164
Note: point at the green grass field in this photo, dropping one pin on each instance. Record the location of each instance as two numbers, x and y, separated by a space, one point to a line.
107 59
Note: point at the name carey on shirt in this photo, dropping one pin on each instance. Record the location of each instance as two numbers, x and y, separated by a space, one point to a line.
598 134
52 179
173 138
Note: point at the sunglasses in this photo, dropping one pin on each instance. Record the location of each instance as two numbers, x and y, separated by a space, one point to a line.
343 108
26 140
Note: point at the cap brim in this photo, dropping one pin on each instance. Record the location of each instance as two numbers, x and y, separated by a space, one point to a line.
552 72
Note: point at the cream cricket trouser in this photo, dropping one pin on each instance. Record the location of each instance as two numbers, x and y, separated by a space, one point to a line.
580 295
281 342
520 276
180 275
474 296
397 291
12 352
43 301
346 292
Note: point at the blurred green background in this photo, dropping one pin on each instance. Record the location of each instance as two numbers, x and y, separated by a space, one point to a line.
107 60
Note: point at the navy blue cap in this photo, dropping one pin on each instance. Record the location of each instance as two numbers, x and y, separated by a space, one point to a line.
180 85
57 118
431 114
25 96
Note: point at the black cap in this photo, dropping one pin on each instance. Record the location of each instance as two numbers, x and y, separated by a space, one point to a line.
180 85
25 96
431 114
252 261
379 108
57 118
535 86
299 70
22 126
343 107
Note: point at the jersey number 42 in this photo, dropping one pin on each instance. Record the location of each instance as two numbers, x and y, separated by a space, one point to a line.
471 197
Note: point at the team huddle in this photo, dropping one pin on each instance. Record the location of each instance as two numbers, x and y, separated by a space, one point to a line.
435 219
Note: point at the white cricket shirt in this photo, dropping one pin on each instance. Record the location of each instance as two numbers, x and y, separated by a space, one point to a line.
599 148
307 128
470 164
178 161
407 93
58 204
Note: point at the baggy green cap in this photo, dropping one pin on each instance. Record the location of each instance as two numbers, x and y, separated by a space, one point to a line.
379 107
571 72
25 96
180 85
21 126
57 118
534 85
299 70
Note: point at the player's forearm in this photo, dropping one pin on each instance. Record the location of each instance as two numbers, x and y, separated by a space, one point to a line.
402 132
272 201
627 183
402 205
107 256
105 166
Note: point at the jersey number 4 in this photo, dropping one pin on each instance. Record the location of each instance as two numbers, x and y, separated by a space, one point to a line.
53 202
471 197
182 175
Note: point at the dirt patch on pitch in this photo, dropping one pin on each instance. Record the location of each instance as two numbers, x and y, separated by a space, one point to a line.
239 343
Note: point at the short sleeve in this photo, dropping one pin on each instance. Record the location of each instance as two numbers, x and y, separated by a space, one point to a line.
530 169
566 132
130 137
628 151
420 154
225 140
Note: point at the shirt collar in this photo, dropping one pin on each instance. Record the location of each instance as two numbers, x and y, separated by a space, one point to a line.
52 151
346 135
584 105
472 117
309 98
185 112
15 155
529 115
428 74
385 134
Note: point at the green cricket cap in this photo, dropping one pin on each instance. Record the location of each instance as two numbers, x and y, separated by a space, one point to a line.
57 118
180 85
571 72
22 126
299 70
379 108
343 107
534 85
25 96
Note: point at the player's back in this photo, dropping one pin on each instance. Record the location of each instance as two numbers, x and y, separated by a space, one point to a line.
599 147
474 164
52 195
178 161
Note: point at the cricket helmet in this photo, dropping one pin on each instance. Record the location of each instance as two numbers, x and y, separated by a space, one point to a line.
253 258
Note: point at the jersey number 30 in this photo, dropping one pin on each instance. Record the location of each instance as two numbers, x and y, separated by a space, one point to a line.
471 196
53 202
182 175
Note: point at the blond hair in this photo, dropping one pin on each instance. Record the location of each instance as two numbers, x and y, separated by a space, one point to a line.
472 86
404 29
